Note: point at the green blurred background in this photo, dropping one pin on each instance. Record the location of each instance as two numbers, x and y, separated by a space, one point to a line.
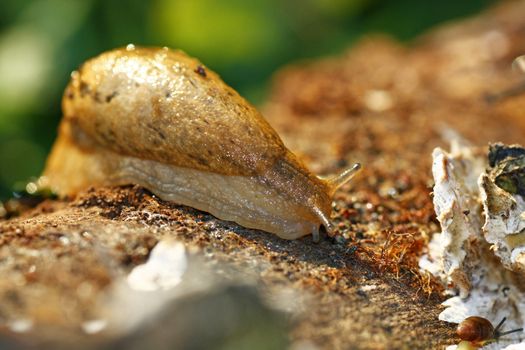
245 41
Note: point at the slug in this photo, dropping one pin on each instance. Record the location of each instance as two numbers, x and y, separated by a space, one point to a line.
161 119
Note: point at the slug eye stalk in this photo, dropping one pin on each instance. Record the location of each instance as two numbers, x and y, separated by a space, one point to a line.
325 222
346 175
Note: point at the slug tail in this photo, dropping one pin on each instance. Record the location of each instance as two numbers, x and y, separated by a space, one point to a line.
346 175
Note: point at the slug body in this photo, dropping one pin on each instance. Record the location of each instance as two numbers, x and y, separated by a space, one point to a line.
158 118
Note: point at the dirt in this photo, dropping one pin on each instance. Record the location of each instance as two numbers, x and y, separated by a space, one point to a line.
381 103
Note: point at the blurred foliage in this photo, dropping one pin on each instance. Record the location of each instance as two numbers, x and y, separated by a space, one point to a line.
42 41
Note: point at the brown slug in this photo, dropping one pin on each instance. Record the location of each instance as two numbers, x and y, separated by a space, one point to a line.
159 118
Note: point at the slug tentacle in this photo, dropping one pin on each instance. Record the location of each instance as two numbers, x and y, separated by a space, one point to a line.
346 175
315 233
159 118
324 220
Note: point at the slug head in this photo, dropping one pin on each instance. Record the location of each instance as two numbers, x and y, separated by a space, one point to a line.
309 196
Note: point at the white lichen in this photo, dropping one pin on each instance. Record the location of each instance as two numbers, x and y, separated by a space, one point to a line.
504 224
457 208
480 252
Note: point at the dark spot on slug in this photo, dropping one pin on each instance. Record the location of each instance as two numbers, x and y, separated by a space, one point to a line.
111 96
96 97
108 136
133 148
167 94
157 130
70 94
84 89
200 70
199 160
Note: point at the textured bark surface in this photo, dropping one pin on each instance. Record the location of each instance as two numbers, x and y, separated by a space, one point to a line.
382 104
